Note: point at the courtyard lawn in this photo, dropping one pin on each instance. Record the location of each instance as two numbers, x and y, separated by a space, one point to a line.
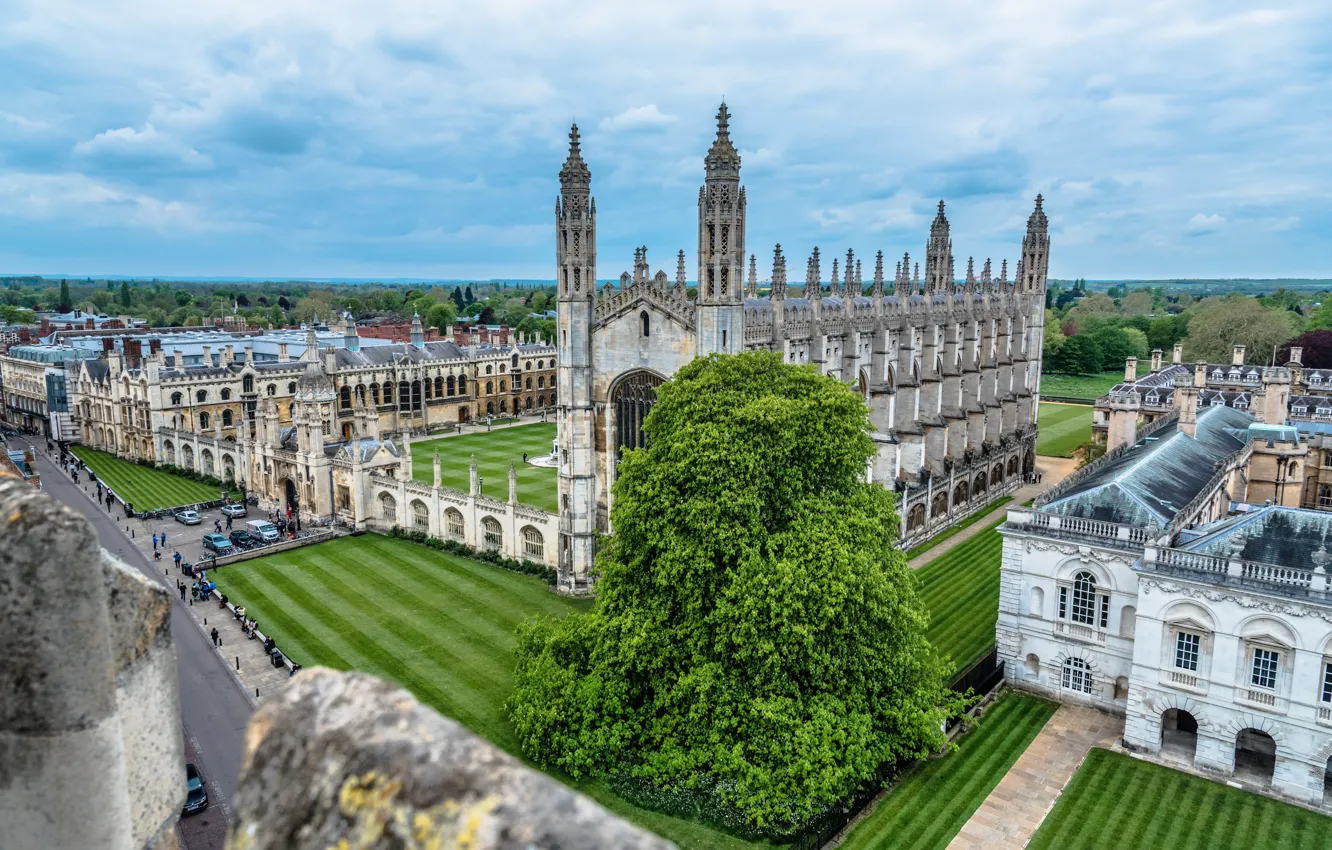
1116 802
961 590
439 625
494 451
1079 386
922 548
925 810
145 488
1063 427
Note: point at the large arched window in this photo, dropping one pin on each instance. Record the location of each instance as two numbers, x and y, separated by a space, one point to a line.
1077 676
451 385
388 393
201 396
388 508
420 516
1081 603
204 419
644 324
462 385
534 545
453 524
344 395
492 534
247 384
226 394
374 394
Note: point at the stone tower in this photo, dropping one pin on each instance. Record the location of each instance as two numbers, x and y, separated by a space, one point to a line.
721 247
576 261
939 255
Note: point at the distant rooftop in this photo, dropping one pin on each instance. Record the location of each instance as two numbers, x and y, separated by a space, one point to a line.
1286 537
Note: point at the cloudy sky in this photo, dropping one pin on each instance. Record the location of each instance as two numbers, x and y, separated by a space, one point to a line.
423 137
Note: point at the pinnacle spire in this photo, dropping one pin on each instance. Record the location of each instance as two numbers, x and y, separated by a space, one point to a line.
834 286
723 160
575 174
878 275
1037 222
813 287
751 291
778 273
680 274
970 285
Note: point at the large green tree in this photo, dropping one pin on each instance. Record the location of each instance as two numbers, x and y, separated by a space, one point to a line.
66 302
1218 324
756 636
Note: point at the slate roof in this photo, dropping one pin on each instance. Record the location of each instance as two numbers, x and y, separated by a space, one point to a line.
1160 474
1285 537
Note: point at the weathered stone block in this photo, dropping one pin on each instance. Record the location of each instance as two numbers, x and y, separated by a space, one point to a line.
346 760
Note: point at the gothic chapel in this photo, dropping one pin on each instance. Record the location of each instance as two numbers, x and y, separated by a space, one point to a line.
950 370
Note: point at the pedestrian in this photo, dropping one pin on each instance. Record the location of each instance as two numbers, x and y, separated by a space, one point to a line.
217 526
228 523
163 536
181 585
524 457
216 642
154 544
176 558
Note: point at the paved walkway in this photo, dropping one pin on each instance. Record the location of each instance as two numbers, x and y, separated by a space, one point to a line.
1052 469
1010 816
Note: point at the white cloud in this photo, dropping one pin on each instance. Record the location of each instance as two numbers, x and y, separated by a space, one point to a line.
637 118
79 198
1201 225
145 146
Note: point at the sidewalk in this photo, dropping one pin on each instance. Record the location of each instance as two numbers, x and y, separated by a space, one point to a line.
1052 469
1014 810
255 673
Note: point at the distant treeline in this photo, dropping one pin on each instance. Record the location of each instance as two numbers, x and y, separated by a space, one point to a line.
1201 287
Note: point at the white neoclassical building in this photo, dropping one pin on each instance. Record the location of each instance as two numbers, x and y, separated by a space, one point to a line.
1145 585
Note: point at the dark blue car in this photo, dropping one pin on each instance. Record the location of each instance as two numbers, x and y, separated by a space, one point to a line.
196 800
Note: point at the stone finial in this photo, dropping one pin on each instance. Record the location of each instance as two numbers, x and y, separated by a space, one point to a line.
751 290
813 283
474 478
1320 557
680 274
834 287
347 760
849 281
903 283
778 273
970 284
1003 274
878 276
985 280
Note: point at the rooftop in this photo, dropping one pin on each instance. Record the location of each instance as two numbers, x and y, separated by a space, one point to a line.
1285 537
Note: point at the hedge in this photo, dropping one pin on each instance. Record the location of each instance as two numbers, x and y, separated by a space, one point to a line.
456 547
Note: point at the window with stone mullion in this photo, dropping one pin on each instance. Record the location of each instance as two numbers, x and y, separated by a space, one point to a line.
1186 651
1265 662
1327 681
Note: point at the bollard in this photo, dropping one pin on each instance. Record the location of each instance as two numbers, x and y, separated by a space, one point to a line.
237 662
256 693
205 618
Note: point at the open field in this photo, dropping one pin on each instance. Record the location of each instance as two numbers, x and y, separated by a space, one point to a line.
494 451
1079 386
925 810
145 488
989 509
1116 802
439 625
961 590
1063 427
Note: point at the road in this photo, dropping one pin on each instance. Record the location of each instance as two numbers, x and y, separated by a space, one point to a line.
213 709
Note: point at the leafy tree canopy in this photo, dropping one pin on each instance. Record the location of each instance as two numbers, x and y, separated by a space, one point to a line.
756 634
1218 324
1317 353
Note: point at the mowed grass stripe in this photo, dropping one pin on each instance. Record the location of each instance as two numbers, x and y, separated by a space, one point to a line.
275 613
928 807
494 451
143 487
1119 802
961 591
1063 427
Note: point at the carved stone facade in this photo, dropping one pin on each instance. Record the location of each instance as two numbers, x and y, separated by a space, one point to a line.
951 372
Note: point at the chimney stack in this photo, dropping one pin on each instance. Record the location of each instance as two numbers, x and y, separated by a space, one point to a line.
1296 352
1199 375
1130 369
208 355
1237 356
1178 356
1156 359
283 356
1186 402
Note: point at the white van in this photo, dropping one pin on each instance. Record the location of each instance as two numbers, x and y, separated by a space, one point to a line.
263 529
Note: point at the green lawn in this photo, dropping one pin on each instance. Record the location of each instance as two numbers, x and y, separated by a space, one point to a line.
145 488
1079 386
925 810
1063 427
1116 802
951 530
961 590
439 625
494 451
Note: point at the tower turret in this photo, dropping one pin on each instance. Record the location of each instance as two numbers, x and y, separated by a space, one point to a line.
1035 251
751 290
576 270
418 332
721 246
778 274
939 255
680 288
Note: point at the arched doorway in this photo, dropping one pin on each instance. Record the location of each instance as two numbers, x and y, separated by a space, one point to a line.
632 398
1255 756
1179 734
292 495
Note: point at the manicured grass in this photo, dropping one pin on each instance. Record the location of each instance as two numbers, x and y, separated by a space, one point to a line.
145 488
949 532
1116 802
1063 427
1079 386
439 625
961 590
494 451
925 810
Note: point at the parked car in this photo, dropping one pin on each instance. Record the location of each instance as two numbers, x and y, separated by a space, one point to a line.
217 543
245 540
233 510
188 517
264 530
196 796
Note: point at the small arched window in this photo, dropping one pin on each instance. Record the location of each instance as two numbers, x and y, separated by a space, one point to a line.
388 508
201 396
291 388
490 386
247 384
345 396
226 395
203 420
226 419
272 389
644 324
1077 676
175 399
501 386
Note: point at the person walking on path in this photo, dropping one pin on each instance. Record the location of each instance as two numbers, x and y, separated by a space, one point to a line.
176 558
217 526
228 522
154 543
181 586
217 641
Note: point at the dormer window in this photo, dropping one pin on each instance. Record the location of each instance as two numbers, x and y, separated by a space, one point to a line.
1233 375
1301 410
1251 378
1218 402
1217 374
1315 379
1323 411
